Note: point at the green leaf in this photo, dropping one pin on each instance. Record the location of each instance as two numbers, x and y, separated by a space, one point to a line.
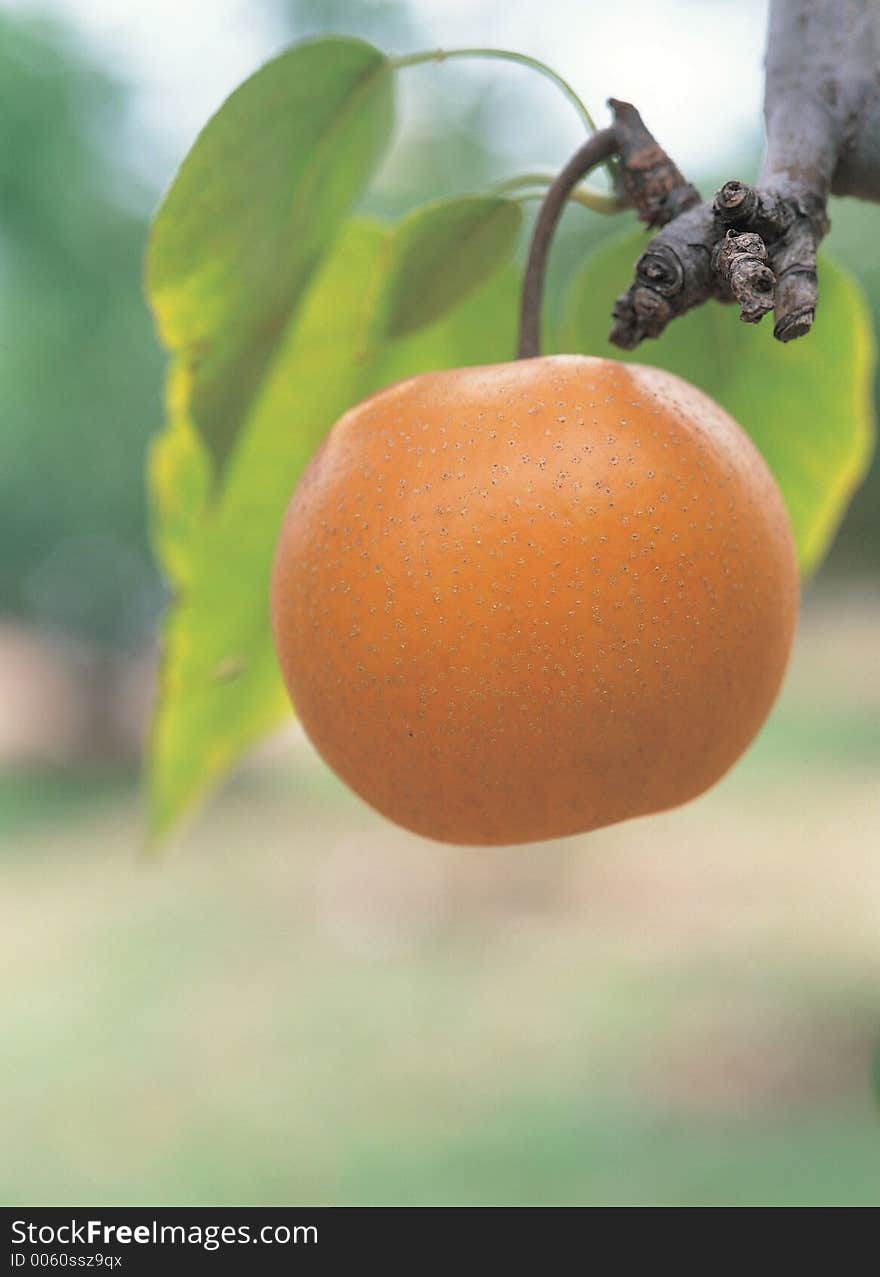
256 203
443 252
220 687
808 405
179 478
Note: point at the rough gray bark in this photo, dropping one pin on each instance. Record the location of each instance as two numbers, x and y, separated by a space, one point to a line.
757 245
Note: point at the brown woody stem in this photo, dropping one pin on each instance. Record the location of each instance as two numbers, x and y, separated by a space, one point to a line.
598 148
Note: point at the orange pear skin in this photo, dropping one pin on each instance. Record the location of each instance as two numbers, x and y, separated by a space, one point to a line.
517 602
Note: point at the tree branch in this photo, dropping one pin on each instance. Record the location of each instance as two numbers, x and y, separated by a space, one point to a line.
757 245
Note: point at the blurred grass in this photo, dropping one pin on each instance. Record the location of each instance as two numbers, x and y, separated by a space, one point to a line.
305 1004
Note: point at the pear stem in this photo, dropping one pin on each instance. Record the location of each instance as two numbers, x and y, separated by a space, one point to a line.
596 150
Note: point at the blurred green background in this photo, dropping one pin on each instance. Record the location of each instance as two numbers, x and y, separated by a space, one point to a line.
305 1004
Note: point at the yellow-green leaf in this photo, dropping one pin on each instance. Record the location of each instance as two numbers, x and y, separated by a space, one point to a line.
443 253
179 477
256 203
220 687
807 405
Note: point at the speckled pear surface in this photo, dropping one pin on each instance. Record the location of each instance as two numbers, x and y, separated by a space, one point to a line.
516 602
